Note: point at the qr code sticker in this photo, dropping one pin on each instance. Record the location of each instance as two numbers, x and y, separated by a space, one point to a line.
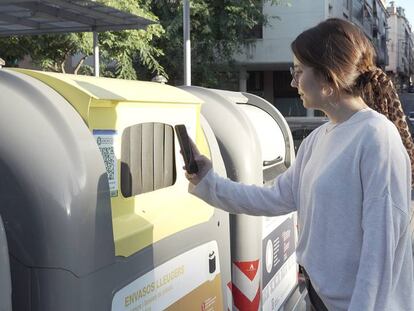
108 156
105 141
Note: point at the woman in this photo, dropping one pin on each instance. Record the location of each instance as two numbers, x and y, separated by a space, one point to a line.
350 183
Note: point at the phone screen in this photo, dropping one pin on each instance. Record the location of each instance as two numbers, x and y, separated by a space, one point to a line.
186 150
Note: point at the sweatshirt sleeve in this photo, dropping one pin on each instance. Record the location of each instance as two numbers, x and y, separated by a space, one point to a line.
385 179
383 225
238 198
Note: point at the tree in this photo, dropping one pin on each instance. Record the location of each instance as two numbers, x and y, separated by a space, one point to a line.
219 29
11 50
118 49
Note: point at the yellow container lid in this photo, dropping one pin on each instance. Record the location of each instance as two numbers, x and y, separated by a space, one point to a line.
84 92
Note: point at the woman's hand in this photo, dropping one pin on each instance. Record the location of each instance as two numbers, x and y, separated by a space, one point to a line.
203 163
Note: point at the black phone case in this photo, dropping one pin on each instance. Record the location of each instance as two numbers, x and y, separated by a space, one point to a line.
187 152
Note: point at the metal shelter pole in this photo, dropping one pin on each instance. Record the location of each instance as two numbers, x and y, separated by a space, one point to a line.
96 54
187 43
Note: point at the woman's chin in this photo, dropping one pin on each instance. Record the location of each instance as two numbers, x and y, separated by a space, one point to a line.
306 104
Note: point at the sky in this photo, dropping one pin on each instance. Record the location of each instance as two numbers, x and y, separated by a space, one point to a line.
408 5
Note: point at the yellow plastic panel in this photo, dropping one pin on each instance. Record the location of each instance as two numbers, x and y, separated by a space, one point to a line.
141 220
77 97
157 215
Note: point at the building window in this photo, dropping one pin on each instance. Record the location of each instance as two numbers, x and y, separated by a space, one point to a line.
358 10
347 4
255 81
375 32
147 158
255 33
286 98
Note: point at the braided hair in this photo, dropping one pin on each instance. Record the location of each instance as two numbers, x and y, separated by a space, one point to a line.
378 92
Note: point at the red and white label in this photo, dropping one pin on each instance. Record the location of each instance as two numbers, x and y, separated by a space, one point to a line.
245 288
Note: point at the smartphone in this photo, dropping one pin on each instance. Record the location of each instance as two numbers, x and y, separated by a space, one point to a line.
186 150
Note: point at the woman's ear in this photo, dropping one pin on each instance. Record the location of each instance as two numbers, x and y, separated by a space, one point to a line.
327 91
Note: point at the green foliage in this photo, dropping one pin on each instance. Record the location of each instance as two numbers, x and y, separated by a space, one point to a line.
50 52
118 49
219 29
13 49
124 47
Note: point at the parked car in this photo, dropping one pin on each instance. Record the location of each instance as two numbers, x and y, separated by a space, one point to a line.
302 127
410 122
412 219
411 116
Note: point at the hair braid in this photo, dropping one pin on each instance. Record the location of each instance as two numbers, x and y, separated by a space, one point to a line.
379 93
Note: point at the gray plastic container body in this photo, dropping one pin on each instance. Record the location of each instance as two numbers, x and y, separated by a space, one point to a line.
241 154
242 158
5 281
239 145
54 197
54 194
271 172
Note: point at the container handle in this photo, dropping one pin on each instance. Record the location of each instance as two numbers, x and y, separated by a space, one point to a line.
274 161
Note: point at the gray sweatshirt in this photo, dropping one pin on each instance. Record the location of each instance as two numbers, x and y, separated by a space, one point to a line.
350 185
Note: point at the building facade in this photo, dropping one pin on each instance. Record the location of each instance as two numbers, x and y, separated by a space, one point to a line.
400 47
264 66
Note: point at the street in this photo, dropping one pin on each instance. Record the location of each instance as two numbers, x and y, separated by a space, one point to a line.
407 100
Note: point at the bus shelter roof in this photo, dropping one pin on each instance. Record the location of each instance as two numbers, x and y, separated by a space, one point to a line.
30 17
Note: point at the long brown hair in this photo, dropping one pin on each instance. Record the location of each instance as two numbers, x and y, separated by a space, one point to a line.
339 52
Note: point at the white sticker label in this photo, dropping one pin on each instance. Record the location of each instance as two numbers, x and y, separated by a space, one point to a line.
105 141
279 273
280 286
188 280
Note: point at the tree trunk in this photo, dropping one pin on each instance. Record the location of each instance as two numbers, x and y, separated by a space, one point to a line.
79 65
62 66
